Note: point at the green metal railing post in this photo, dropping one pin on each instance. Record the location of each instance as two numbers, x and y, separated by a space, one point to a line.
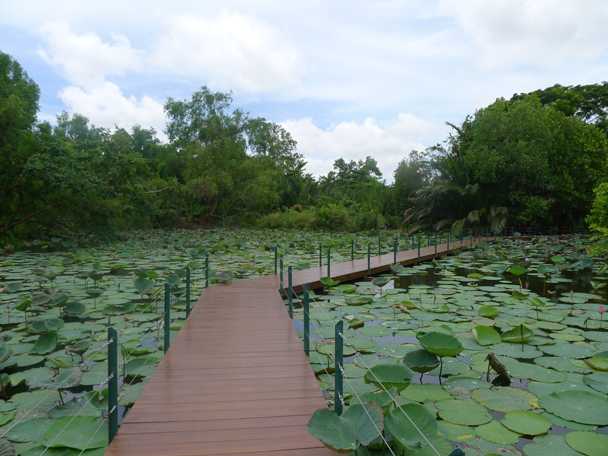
112 383
320 255
167 319
290 290
188 303
379 246
369 258
306 323
329 262
395 251
449 235
435 242
207 270
282 282
352 250
339 351
418 238
276 259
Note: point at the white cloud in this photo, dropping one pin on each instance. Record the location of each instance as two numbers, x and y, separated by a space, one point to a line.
228 51
85 59
532 32
352 140
108 107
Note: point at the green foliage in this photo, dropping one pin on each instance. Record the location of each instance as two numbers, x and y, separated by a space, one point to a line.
598 217
533 160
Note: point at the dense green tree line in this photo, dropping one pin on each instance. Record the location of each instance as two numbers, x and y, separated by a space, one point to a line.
532 161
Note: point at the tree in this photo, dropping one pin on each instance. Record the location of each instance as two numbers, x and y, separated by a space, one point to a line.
410 176
531 159
18 108
588 103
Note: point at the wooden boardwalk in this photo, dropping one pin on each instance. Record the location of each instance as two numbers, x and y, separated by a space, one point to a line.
236 380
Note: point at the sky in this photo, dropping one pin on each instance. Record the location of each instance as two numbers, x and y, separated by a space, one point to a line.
347 78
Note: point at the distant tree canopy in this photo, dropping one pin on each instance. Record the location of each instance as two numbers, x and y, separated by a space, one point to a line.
521 158
588 103
534 160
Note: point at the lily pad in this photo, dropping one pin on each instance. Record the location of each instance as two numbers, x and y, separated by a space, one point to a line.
421 361
357 425
526 423
399 424
440 344
486 335
78 432
466 412
588 443
549 445
505 399
580 406
497 433
388 376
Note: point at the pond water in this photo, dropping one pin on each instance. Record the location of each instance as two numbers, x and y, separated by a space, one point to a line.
537 305
55 308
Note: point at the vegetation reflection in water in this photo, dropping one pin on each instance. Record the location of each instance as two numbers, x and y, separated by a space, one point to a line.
537 305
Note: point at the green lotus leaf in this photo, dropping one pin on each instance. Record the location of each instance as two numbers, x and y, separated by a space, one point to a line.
328 282
518 335
5 352
488 311
588 443
505 399
359 424
496 433
549 445
517 270
46 343
599 361
466 412
387 376
598 381
579 406
411 435
30 430
78 432
425 392
439 343
486 335
45 325
358 300
421 361
526 423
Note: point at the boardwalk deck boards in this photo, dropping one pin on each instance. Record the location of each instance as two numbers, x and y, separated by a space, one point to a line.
236 380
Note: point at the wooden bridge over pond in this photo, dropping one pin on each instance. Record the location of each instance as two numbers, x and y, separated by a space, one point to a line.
236 380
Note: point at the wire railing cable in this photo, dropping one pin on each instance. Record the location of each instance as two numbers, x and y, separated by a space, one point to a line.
367 412
415 426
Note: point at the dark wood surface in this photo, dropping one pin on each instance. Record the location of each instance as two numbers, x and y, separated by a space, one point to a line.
236 380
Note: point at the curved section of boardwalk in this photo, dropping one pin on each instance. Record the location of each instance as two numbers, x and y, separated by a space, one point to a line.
236 380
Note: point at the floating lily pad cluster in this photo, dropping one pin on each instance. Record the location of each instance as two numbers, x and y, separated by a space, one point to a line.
535 305
55 309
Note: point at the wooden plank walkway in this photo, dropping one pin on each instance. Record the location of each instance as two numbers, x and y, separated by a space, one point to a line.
236 380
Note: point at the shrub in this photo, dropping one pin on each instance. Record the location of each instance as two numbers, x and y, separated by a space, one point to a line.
334 217
598 217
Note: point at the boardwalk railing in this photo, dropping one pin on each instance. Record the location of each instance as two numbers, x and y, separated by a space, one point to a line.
177 287
238 363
